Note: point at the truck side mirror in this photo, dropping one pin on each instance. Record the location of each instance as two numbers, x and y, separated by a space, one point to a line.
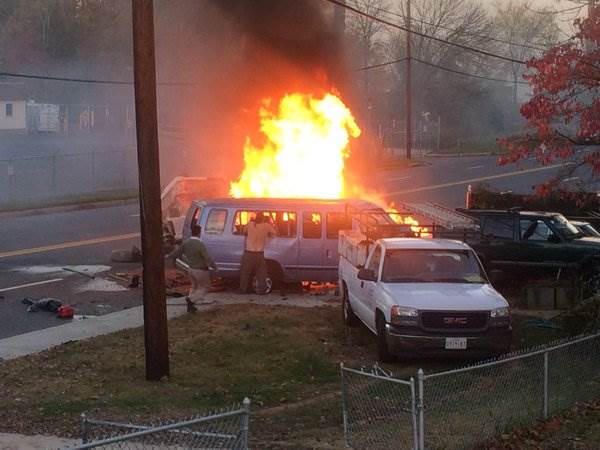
367 275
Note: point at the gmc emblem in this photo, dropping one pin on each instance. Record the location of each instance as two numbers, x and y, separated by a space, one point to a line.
455 320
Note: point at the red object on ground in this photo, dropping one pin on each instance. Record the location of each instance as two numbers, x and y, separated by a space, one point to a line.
65 312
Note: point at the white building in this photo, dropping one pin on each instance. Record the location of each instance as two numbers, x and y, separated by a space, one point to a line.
12 106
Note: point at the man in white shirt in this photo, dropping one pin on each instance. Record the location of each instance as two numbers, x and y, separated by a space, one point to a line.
253 260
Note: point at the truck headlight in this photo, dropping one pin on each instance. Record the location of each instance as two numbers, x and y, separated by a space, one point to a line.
500 312
403 315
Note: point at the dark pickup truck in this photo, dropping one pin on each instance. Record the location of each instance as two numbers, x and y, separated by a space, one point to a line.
516 239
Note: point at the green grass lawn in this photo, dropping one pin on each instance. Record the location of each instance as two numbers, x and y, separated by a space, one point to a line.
285 359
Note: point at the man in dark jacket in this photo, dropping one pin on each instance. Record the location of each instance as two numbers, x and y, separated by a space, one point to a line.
193 257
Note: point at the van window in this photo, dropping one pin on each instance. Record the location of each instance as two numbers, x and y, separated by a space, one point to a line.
215 222
285 222
337 222
195 218
311 225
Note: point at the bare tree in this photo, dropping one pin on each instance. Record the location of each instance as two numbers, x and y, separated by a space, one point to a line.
525 32
367 35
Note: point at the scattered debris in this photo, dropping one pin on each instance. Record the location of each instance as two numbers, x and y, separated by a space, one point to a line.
133 255
80 272
44 304
101 285
191 308
65 312
42 270
135 281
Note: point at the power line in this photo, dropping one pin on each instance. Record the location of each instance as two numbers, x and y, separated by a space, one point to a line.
447 69
85 80
550 12
468 33
376 66
418 33
467 74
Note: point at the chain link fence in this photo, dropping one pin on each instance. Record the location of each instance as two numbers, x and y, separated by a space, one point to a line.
62 175
225 429
463 408
379 411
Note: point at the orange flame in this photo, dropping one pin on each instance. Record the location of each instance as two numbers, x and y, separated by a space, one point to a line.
303 157
306 145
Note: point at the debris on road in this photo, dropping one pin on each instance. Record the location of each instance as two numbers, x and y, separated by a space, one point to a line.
44 304
65 312
68 269
133 255
135 281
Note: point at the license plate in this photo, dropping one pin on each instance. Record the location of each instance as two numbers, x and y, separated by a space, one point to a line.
456 343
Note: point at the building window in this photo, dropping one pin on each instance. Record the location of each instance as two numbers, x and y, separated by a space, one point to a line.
9 110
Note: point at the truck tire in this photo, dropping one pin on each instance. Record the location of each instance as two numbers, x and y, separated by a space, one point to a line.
383 351
350 319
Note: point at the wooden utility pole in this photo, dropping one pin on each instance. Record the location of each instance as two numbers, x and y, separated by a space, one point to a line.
155 305
408 86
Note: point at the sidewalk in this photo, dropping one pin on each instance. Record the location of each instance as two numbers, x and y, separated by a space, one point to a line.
9 441
77 330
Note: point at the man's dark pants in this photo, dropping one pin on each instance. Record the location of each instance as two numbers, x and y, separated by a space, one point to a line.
253 263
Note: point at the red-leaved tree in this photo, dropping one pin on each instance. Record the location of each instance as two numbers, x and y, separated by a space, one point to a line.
563 115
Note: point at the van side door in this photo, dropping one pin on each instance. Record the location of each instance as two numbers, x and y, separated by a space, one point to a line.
215 235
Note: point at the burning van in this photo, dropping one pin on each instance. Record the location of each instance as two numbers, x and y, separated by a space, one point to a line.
306 245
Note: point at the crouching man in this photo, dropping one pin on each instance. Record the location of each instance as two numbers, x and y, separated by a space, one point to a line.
193 257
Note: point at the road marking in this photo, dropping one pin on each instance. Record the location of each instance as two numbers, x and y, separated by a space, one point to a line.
570 179
37 283
64 245
476 180
475 167
400 179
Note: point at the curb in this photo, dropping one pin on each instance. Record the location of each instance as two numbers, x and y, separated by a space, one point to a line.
457 155
66 208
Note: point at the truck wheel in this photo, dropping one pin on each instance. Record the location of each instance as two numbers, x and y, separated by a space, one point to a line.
350 319
383 351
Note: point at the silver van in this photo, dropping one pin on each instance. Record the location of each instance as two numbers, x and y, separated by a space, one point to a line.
305 249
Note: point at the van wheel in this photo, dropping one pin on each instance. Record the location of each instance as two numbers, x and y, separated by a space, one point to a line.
272 281
383 351
350 319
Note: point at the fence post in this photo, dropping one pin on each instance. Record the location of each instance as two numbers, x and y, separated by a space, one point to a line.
420 406
413 408
545 413
11 176
54 174
245 422
344 405
84 430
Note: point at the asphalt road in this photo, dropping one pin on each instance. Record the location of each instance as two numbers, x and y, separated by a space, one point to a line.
34 250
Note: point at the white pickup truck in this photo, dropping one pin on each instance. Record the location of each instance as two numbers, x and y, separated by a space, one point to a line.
421 296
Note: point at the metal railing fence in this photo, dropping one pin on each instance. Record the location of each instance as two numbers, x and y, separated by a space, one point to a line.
59 175
225 429
463 408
